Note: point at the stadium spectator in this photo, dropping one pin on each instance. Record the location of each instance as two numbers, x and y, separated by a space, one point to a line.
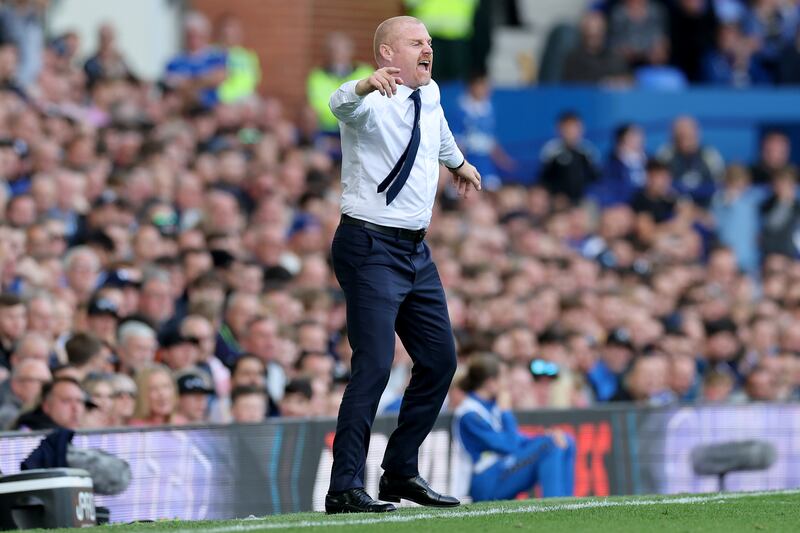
157 397
774 157
568 163
625 170
780 216
500 460
179 352
242 64
789 62
248 404
100 389
655 203
592 61
13 323
22 24
63 405
637 30
692 27
201 68
124 400
194 392
476 132
199 328
297 397
102 318
696 169
136 346
731 62
240 309
735 209
339 67
263 341
769 26
107 63
22 389
88 355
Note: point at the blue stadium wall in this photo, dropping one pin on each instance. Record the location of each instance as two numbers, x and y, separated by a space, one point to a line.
732 120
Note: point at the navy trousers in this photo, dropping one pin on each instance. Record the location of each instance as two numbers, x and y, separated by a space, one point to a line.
390 285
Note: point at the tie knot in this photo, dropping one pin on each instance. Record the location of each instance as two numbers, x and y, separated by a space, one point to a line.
415 96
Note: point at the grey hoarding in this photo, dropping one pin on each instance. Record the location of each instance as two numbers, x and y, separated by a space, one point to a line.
283 465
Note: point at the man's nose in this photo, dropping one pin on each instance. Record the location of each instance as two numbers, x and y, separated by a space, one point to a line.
428 49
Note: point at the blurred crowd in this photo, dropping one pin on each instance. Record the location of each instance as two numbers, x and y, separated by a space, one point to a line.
668 43
164 252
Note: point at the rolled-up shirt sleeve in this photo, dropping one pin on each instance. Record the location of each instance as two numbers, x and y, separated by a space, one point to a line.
346 105
449 154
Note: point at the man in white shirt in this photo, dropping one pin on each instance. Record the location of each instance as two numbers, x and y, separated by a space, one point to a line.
394 137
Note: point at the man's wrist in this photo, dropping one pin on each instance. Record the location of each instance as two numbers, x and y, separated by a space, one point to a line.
453 169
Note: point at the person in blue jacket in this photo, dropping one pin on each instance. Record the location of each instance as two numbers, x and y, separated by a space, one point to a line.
496 461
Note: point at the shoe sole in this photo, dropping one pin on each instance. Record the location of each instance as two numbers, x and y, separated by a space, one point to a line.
396 499
353 510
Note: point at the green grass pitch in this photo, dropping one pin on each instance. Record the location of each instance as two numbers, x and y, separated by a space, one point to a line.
727 512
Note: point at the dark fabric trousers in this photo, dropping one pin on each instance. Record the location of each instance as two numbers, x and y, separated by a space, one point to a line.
390 285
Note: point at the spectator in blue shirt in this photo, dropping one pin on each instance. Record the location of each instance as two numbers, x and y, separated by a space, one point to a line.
625 171
476 132
503 461
731 62
735 209
201 68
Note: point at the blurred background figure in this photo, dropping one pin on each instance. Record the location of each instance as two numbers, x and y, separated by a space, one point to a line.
243 66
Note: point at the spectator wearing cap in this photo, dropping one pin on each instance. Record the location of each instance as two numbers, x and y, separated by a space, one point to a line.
194 392
13 323
179 351
136 346
157 397
615 357
22 389
128 281
63 405
102 318
124 396
249 404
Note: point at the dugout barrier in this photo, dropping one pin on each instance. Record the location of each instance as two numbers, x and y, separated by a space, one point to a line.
283 466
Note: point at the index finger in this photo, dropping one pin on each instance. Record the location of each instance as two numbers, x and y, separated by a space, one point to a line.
391 70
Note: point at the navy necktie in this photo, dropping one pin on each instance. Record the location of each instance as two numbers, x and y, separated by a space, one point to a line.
402 169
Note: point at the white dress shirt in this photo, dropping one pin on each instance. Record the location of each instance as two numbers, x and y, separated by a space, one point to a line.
375 132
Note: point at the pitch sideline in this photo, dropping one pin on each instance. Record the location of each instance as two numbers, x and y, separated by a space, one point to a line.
427 515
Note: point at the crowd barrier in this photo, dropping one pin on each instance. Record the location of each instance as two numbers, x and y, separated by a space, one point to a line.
283 466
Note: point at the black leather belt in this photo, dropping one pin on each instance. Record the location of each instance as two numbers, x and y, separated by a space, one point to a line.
400 233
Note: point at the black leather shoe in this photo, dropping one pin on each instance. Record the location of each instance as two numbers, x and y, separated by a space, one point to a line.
414 489
355 501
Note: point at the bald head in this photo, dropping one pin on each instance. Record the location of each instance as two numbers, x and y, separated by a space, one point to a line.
388 31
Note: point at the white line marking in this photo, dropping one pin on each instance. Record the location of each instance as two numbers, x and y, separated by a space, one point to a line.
396 518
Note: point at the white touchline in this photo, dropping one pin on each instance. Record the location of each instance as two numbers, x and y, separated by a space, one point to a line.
541 508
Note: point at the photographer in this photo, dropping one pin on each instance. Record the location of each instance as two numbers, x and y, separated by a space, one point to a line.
501 460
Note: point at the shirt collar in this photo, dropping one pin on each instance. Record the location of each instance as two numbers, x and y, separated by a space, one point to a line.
404 92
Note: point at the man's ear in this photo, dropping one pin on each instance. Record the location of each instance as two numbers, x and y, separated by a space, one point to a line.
386 52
